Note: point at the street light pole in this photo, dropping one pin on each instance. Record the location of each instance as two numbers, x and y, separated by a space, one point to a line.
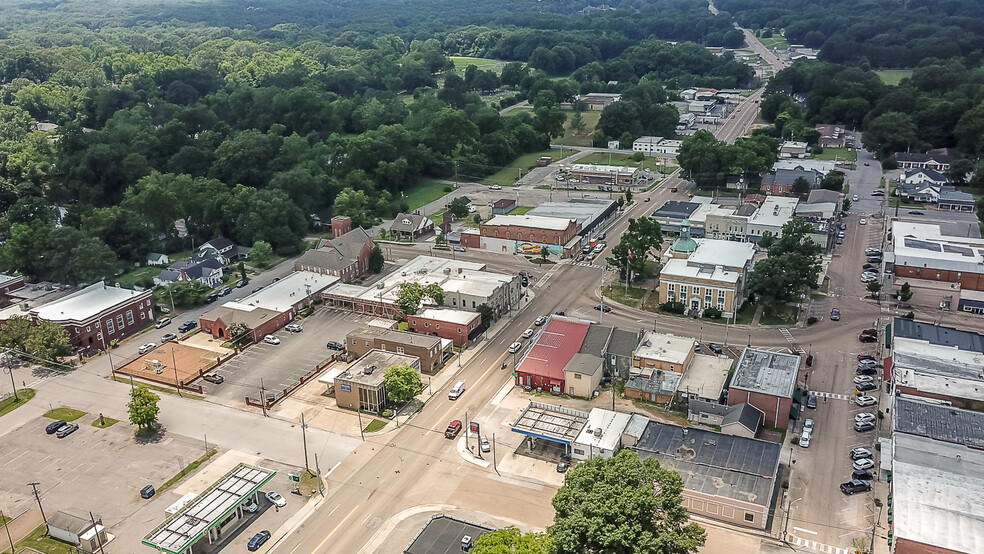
789 508
37 496
10 371
304 438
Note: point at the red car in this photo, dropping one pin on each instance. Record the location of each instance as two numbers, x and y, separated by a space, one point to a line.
453 429
862 357
674 189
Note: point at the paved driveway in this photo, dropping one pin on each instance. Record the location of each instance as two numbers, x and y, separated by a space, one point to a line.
280 366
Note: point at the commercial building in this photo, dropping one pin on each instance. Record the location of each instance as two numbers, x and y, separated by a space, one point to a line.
542 367
601 435
345 256
971 301
661 352
527 234
767 381
362 385
938 362
953 200
653 146
458 326
591 214
213 515
466 286
673 213
618 352
599 100
9 284
921 251
705 378
98 314
831 136
740 420
712 275
431 351
775 212
731 226
938 159
503 206
411 226
791 149
781 181
610 175
79 528
445 534
582 374
269 309
725 477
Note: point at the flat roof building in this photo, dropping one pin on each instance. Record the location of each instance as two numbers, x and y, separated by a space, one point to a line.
432 351
610 175
445 534
528 234
705 378
775 212
766 380
922 252
542 367
725 477
590 213
935 361
661 351
711 276
551 423
601 435
98 314
457 325
361 386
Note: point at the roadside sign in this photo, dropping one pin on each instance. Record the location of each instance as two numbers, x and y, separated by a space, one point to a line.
473 426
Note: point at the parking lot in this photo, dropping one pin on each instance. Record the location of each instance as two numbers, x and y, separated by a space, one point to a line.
281 366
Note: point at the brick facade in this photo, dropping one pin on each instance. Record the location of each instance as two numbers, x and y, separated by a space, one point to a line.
775 408
905 546
118 322
426 348
457 332
531 234
972 281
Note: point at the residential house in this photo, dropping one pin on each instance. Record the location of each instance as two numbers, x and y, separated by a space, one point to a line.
938 159
503 206
927 193
411 226
781 181
741 420
921 176
155 258
345 256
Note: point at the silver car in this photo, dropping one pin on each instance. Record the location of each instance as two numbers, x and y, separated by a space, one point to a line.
865 400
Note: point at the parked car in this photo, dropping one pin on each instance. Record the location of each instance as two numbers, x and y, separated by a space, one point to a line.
835 314
859 453
862 475
226 291
865 400
872 251
864 379
514 347
863 426
867 371
276 499
867 278
459 249
878 193
211 298
867 338
187 326
871 363
811 402
66 430
874 259
335 345
855 486
251 506
214 378
603 308
293 328
484 441
163 323
453 429
864 387
839 241
804 440
540 320
862 357
54 426
843 226
564 464
168 336
527 333
864 416
715 347
257 541
144 348
270 339
256 290
862 221
863 463
495 187
808 426
560 312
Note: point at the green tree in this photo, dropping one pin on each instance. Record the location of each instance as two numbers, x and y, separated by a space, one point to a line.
767 240
261 253
186 294
628 192
577 123
376 259
889 133
801 186
487 313
15 332
874 287
905 292
402 383
846 205
242 270
409 297
459 207
642 236
623 504
142 407
47 341
238 332
638 156
513 541
355 204
435 293
792 266
833 181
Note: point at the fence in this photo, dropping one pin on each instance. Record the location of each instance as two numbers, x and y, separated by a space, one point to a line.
272 397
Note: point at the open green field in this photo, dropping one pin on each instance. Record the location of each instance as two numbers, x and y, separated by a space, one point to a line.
9 405
583 138
605 158
892 77
776 41
508 176
520 210
423 193
67 414
461 62
839 154
127 280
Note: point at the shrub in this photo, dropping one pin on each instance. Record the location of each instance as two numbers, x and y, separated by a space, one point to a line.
449 188
387 413
673 307
811 320
909 315
712 313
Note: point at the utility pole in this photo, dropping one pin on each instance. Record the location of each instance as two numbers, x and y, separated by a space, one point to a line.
174 364
304 438
317 467
493 456
263 398
13 385
37 496
6 528
98 540
361 431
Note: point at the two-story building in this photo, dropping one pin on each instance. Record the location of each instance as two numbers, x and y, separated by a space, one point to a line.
346 255
459 326
766 380
430 350
527 234
98 314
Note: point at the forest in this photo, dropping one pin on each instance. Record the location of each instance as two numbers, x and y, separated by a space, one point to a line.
246 119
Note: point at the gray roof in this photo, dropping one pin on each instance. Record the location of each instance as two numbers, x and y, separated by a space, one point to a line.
940 155
664 387
415 222
337 253
636 426
72 520
938 422
443 534
219 243
702 406
675 209
586 211
585 364
931 173
714 463
623 343
955 196
596 339
767 372
820 196
746 210
744 414
397 337
788 176
937 334
155 256
168 276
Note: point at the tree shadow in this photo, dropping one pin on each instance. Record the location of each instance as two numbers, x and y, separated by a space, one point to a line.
150 435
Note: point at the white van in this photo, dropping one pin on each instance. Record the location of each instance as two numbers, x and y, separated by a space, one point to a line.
456 391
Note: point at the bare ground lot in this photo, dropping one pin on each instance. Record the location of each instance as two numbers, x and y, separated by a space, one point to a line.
170 360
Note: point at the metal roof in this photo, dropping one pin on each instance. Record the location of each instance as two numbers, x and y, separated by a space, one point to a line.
208 509
937 334
938 422
554 347
552 423
766 372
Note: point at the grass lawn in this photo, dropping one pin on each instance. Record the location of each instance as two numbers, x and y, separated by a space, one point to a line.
423 193
187 469
9 405
508 176
68 414
109 422
157 388
375 425
41 542
745 314
520 210
605 158
892 77
618 294
461 62
839 154
583 138
437 217
308 482
775 41
127 280
779 315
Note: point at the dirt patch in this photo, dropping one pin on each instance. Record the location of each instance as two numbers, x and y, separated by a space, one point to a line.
170 362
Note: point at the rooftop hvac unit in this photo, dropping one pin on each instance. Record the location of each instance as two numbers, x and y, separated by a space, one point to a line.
447 271
597 431
381 285
369 369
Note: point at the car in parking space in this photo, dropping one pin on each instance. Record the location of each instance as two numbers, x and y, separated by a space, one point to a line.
270 339
459 249
495 187
804 440
242 283
163 323
168 336
211 298
915 212
839 240
527 333
858 453
256 290
865 357
66 430
214 378
484 441
276 499
540 320
864 387
293 328
864 416
257 541
54 426
867 278
865 400
863 464
864 379
560 312
187 326
863 337
811 401
715 347
144 348
335 345
514 347
564 464
835 314
843 226
874 259
868 362
871 250
855 198
863 426
855 486
861 474
603 308
808 426
226 291
867 370
453 429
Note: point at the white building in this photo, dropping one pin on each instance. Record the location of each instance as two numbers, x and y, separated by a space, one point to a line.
601 436
656 145
775 212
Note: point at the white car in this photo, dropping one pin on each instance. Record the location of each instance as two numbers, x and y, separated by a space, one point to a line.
276 499
865 400
270 339
294 328
251 507
872 251
864 416
495 187
860 453
862 221
863 463
514 347
808 426
146 348
854 198
868 277
805 440
486 447
863 379
527 333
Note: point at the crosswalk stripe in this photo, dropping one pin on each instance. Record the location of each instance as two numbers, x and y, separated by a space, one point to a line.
798 541
833 395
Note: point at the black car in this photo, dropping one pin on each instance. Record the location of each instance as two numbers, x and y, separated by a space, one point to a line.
854 486
560 312
335 345
226 291
187 326
211 298
862 387
811 402
258 540
867 338
861 474
603 308
716 348
874 260
242 283
867 370
916 212
66 430
54 426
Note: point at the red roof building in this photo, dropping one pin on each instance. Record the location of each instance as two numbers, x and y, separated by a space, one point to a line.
543 366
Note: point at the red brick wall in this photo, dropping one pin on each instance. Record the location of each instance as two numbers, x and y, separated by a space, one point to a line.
86 334
340 225
972 281
471 240
531 234
445 329
765 402
905 546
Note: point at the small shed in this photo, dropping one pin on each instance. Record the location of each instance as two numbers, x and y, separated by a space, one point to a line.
503 206
75 526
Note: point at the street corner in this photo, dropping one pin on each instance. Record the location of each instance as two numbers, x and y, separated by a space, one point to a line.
469 449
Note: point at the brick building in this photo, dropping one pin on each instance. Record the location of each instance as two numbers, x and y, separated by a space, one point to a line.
766 380
430 350
542 366
98 314
527 234
457 325
611 175
345 256
8 284
922 252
